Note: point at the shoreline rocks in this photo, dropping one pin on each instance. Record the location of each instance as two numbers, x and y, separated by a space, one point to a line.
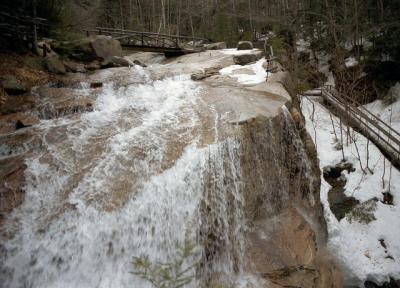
99 47
55 65
12 85
245 45
247 58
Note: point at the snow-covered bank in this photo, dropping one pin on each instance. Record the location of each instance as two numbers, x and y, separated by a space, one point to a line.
357 245
388 113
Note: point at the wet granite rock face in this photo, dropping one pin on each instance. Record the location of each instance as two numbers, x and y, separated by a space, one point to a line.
12 122
12 180
287 234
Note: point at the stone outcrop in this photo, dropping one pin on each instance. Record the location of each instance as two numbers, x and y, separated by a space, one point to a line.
74 67
55 65
208 72
245 45
12 85
99 47
105 47
288 234
244 59
290 256
120 62
272 167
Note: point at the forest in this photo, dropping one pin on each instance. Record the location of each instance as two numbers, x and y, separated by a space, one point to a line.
368 30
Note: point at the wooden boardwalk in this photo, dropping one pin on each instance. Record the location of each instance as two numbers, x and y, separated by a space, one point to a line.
364 121
171 45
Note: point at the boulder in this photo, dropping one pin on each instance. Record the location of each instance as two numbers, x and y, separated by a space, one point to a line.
117 61
216 46
88 49
95 65
199 76
74 67
12 85
245 45
295 260
79 49
247 58
105 47
55 65
137 62
208 72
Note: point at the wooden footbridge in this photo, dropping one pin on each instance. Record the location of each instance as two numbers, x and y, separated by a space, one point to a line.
171 45
364 121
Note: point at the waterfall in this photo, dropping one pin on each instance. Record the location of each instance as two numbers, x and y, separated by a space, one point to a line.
125 180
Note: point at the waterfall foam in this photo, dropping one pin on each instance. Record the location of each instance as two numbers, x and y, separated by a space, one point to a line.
126 180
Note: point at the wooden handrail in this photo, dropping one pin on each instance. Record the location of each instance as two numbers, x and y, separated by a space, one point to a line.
365 118
147 33
361 107
149 40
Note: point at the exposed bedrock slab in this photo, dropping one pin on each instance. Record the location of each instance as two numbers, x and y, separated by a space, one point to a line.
259 205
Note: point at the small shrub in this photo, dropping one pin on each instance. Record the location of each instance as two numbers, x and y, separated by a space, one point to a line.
174 274
363 213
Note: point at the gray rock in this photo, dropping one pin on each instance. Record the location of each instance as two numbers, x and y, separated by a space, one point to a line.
208 72
137 62
55 65
216 46
247 58
12 85
74 67
117 61
88 49
199 76
105 47
95 65
245 45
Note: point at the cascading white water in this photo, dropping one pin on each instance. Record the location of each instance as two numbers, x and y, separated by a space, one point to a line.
126 180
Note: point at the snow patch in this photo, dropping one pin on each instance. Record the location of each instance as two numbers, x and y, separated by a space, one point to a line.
248 74
234 51
357 245
351 62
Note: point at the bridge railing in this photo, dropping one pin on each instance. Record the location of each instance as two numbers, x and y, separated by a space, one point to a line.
149 39
387 137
